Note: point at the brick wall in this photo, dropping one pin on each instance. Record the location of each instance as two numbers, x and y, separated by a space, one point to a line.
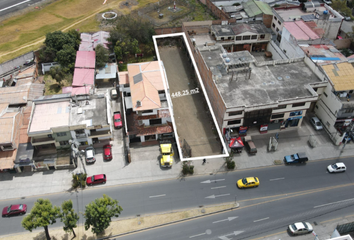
160 31
216 11
267 20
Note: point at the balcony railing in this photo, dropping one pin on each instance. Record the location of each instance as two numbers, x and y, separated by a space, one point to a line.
41 141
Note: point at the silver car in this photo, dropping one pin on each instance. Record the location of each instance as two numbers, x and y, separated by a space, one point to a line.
316 123
90 155
300 228
337 167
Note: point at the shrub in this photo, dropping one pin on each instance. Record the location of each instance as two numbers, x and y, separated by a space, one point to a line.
79 180
230 164
187 168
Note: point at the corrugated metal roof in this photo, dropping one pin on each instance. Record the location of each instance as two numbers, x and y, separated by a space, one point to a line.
264 7
300 31
251 8
85 59
83 76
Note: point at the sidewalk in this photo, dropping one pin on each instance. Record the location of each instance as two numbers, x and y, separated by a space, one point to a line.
145 163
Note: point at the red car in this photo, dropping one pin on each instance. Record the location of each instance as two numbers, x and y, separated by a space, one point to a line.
13 210
107 152
96 179
117 120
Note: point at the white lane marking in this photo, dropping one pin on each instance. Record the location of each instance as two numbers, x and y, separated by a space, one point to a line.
210 181
197 235
162 195
218 187
234 233
261 219
275 179
347 200
227 219
215 196
14 5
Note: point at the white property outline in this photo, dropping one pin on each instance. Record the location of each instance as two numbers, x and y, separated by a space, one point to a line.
163 74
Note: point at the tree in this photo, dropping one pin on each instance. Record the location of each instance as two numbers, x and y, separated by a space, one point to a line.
125 47
66 58
69 217
57 73
99 213
102 56
42 214
341 7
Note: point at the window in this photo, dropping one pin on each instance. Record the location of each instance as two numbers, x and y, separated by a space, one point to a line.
273 25
229 38
49 136
155 121
277 30
64 143
325 94
299 104
246 37
275 18
316 107
7 147
315 89
80 131
61 134
254 36
235 113
349 110
281 107
161 91
279 22
147 111
234 122
238 38
262 36
222 38
278 116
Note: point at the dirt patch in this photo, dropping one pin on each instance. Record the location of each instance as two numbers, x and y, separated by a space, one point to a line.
121 226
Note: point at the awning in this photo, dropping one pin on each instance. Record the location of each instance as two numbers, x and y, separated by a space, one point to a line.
236 143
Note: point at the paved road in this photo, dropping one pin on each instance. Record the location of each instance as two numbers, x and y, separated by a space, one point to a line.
11 6
165 196
258 220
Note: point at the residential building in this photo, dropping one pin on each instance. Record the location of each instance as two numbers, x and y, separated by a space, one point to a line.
147 114
257 10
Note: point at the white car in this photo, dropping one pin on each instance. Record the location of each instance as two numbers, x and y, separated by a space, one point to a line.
316 123
337 167
300 228
328 2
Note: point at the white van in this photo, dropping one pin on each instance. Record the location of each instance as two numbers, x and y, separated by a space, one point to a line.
114 94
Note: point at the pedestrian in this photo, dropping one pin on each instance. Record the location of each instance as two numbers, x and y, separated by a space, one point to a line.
204 161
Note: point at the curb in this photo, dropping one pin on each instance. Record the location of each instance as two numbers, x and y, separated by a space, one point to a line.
170 223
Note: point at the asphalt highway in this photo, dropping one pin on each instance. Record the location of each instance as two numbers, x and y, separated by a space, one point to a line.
276 183
11 6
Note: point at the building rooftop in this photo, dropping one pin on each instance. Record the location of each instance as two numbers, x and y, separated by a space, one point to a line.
266 85
145 81
107 72
341 75
239 28
123 78
49 115
85 59
100 38
83 76
251 8
92 112
23 91
300 31
323 54
7 127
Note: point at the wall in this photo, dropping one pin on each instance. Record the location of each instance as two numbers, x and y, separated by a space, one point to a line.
8 67
289 44
216 11
267 20
342 43
331 28
276 51
160 31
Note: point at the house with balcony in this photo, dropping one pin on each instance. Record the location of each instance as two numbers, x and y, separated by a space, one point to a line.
145 104
335 107
57 119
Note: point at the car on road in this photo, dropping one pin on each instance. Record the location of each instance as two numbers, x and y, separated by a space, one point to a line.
96 179
107 152
248 182
337 167
14 210
296 158
316 123
328 2
117 119
300 228
90 155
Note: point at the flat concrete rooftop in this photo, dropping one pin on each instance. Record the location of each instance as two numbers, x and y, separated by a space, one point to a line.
92 112
266 85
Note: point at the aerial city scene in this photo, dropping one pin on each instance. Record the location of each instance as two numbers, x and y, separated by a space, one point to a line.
177 119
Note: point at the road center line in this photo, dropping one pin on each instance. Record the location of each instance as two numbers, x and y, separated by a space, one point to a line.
347 200
261 219
197 235
162 195
14 5
275 179
218 187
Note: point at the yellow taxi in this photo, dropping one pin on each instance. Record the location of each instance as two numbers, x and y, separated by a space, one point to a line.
248 182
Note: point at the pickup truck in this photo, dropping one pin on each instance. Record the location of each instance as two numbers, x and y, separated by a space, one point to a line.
296 158
117 120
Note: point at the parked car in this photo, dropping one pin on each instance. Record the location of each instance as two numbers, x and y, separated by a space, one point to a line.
249 145
328 2
107 152
248 182
14 210
337 167
300 228
96 179
296 158
316 123
114 94
117 120
90 155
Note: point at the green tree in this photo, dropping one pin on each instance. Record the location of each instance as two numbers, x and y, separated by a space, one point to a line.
66 58
102 56
98 214
57 73
42 214
341 7
126 47
69 217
